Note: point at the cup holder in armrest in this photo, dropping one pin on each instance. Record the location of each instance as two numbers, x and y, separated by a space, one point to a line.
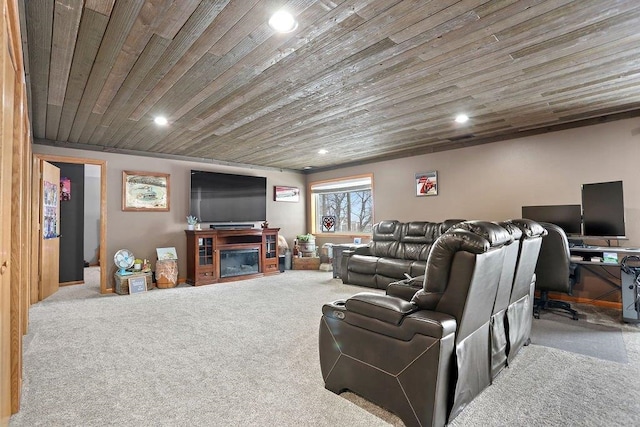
335 309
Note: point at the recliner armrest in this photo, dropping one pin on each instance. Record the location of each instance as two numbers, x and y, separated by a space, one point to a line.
405 289
382 307
362 250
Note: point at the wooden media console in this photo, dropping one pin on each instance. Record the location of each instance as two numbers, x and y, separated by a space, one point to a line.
224 255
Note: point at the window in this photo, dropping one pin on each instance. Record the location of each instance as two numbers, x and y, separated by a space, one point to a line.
349 199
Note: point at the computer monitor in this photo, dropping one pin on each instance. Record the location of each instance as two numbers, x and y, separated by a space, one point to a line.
603 209
567 217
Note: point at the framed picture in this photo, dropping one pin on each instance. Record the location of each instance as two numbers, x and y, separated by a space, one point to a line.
166 253
65 189
137 285
286 194
427 184
145 191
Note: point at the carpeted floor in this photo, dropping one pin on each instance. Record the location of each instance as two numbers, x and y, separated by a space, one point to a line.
585 337
245 353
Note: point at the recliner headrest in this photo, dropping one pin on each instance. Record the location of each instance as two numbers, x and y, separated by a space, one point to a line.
419 232
448 223
513 229
459 239
492 232
529 227
386 226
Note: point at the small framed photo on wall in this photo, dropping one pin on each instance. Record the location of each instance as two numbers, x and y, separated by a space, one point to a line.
427 184
282 193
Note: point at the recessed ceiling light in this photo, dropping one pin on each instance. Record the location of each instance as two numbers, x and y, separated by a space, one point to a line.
162 121
462 118
306 167
323 151
283 22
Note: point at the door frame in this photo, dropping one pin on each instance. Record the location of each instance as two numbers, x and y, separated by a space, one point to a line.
102 257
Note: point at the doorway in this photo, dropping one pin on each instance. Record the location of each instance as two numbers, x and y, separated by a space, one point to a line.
102 251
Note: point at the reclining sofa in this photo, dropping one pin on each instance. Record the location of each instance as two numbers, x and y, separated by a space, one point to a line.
427 357
397 249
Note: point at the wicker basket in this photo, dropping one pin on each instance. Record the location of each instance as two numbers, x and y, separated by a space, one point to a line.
166 273
122 282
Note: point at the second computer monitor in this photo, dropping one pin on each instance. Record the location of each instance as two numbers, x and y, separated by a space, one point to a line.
567 217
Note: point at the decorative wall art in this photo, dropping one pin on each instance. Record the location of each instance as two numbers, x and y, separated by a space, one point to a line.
328 224
145 191
50 210
427 184
166 253
65 189
286 194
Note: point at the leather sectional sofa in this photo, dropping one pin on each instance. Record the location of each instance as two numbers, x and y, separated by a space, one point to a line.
426 357
396 248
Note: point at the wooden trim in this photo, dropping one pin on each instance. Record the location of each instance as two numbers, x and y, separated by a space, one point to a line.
34 287
590 301
103 208
19 237
76 282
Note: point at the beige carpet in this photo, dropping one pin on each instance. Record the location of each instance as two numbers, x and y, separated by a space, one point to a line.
245 353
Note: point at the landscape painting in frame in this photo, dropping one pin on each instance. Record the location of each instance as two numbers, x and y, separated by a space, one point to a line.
427 184
145 191
286 194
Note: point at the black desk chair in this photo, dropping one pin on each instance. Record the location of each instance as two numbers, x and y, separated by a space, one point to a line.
554 272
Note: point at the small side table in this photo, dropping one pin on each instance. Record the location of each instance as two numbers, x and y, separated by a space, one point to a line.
122 281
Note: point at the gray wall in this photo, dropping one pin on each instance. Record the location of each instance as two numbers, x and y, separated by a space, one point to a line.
143 232
493 181
91 213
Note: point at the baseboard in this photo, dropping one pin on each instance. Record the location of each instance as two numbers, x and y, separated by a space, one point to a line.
590 301
77 282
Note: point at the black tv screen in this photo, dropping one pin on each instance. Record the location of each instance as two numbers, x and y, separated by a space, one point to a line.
567 217
603 209
220 197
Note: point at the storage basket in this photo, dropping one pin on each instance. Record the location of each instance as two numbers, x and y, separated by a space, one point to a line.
166 273
122 282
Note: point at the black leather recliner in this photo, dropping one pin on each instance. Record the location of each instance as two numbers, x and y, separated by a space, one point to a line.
520 309
421 359
499 328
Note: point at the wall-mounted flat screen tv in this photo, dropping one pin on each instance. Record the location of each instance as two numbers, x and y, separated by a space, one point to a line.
567 217
603 209
227 198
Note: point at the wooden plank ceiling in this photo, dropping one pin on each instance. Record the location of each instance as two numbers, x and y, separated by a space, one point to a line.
363 79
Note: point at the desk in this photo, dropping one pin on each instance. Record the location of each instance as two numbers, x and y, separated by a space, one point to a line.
600 270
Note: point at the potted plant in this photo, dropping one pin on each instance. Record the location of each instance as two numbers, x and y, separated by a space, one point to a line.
191 222
307 243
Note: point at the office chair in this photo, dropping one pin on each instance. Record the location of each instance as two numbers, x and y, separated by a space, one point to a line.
554 272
